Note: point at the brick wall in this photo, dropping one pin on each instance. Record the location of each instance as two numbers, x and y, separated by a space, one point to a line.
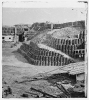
39 56
68 46
44 57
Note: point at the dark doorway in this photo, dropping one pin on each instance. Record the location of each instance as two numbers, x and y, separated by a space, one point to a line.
21 37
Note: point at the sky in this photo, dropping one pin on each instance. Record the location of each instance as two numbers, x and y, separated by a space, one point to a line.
12 16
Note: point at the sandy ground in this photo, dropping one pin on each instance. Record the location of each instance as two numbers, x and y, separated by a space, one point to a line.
18 76
15 69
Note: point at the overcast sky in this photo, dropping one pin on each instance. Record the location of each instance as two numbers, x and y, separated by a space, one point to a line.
12 16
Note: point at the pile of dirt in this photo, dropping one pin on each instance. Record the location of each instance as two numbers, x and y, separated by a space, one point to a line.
67 32
25 87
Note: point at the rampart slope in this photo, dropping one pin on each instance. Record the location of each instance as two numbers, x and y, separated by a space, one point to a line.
56 47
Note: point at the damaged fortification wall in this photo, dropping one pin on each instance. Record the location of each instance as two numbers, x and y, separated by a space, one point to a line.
73 47
39 56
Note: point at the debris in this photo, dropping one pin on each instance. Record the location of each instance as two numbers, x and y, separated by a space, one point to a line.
24 95
7 91
44 93
33 94
61 87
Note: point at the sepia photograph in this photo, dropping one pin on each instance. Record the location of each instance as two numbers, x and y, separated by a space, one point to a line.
44 50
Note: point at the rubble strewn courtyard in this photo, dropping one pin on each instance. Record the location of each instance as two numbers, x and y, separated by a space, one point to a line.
44 50
19 77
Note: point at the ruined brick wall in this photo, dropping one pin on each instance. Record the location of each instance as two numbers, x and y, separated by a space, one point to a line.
79 53
68 46
43 57
39 56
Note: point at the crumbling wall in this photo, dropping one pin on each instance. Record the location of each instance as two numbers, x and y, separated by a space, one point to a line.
43 57
40 56
69 46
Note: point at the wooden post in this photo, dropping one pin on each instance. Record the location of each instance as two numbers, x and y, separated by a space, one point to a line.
51 26
15 39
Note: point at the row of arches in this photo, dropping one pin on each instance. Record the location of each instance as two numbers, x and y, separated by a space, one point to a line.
70 50
48 58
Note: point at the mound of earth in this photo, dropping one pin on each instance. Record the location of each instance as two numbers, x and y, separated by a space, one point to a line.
63 33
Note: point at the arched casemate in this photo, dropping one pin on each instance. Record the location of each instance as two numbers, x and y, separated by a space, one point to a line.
54 59
60 60
37 58
59 41
69 42
62 41
79 41
70 47
73 48
51 43
51 61
45 57
62 47
51 58
43 53
66 42
43 63
59 63
64 61
56 41
55 54
57 47
42 58
52 53
37 62
65 48
46 53
72 42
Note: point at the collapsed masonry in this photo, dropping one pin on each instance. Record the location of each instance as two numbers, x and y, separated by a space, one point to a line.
74 47
55 52
40 56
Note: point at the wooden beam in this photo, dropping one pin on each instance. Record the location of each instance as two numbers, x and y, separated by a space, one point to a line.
44 93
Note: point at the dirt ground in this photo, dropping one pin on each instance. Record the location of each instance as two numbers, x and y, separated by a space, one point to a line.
18 76
15 68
